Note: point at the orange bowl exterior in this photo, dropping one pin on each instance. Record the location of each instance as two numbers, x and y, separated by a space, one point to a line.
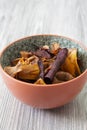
45 96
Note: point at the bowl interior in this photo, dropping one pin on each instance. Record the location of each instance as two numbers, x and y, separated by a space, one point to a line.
33 42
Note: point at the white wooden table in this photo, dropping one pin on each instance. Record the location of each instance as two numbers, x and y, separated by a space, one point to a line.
19 18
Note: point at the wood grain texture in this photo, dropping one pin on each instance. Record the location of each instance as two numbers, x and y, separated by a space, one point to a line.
20 18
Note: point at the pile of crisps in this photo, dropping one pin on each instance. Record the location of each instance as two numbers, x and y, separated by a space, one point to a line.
26 67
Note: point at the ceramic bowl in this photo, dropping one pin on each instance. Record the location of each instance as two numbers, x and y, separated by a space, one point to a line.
43 96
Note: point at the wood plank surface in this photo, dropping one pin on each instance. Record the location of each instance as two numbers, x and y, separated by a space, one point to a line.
20 18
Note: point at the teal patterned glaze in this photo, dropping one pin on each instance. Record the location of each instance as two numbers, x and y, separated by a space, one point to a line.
33 42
